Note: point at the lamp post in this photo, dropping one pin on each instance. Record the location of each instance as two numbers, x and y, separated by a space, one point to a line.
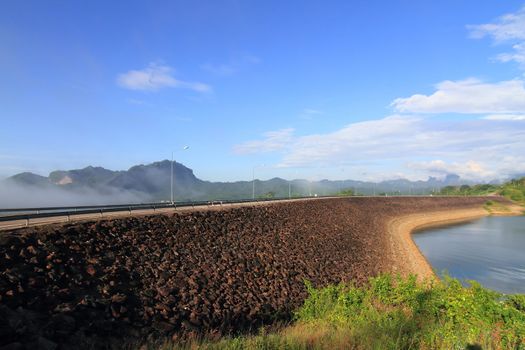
183 149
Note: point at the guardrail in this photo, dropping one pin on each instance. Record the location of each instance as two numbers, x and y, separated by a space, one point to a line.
14 214
17 214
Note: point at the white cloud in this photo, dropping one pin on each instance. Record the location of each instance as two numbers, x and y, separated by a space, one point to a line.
467 96
273 141
363 140
474 149
507 28
466 170
513 117
155 77
518 56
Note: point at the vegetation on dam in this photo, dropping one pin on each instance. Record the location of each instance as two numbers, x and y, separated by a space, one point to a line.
513 190
394 313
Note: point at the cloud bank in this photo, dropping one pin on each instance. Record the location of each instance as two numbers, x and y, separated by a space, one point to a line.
273 141
13 195
509 28
470 96
154 77
475 149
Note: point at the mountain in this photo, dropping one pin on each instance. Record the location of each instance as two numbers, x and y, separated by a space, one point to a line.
90 176
28 179
152 182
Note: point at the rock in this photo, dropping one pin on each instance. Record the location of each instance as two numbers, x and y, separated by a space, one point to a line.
13 346
64 307
90 269
62 324
163 326
45 344
118 298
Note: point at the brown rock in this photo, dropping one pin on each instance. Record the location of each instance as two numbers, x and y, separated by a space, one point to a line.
90 269
118 298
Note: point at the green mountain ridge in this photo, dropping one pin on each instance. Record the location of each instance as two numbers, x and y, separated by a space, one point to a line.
152 182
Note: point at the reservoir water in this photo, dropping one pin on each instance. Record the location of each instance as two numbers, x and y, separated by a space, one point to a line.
490 250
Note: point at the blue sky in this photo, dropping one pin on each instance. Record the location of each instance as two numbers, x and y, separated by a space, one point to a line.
311 89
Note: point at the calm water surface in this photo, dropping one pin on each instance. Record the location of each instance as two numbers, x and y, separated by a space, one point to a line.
489 250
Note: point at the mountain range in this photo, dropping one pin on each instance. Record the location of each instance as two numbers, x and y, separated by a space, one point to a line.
152 182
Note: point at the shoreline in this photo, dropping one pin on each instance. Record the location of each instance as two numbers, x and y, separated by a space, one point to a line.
406 255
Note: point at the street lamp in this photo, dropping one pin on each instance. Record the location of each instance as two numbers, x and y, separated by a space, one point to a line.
183 149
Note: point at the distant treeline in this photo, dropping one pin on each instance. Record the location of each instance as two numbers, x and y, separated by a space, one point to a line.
513 189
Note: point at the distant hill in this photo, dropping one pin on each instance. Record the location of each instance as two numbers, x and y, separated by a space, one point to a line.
152 182
29 179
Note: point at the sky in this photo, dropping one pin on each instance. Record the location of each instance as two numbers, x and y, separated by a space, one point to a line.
369 90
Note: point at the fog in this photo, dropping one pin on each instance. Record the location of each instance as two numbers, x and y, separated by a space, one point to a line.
16 196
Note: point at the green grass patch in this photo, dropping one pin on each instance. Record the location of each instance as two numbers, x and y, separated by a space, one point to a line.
513 190
495 207
394 313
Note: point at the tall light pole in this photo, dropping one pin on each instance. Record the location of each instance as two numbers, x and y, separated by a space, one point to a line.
183 149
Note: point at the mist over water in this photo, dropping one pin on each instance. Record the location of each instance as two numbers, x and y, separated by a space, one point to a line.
488 250
17 196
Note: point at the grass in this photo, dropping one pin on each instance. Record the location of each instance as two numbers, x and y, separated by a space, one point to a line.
513 190
495 207
393 313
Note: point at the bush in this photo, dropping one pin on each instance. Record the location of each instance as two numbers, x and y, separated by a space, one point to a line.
395 313
400 313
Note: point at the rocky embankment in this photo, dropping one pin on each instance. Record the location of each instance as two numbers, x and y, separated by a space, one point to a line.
114 282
